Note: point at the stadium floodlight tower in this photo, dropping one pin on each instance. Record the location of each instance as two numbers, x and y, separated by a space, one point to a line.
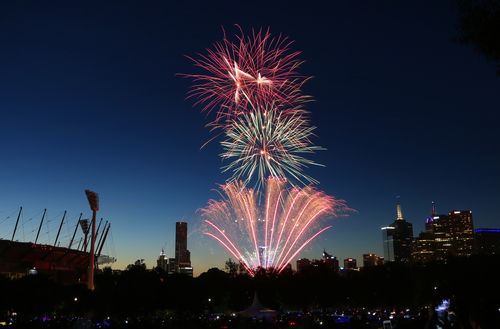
93 198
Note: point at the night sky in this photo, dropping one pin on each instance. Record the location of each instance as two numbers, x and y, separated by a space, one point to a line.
89 98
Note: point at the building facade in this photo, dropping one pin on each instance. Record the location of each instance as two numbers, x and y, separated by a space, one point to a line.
372 260
398 239
327 262
162 261
182 254
388 243
303 264
181 263
350 264
444 236
461 230
330 262
424 248
487 241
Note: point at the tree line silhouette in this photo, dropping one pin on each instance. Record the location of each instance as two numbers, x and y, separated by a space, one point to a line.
471 283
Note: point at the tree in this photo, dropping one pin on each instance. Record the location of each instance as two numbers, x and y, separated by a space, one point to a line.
479 26
231 268
138 265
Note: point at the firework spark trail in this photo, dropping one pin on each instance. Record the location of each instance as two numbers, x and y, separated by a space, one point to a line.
293 229
266 143
277 204
279 261
242 227
250 70
289 208
299 249
232 252
274 192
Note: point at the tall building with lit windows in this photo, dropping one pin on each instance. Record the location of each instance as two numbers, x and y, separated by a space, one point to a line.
444 236
431 244
398 238
424 248
461 230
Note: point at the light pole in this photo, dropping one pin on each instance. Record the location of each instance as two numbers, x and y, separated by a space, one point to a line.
93 199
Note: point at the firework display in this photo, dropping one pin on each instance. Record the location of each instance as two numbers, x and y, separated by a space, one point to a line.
266 143
248 72
270 236
268 213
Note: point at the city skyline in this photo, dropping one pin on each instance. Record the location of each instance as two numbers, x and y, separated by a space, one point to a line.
97 105
184 233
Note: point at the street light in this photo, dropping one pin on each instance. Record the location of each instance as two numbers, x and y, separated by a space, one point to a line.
93 199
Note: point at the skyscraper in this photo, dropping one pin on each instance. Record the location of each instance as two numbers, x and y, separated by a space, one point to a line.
388 243
461 230
398 238
182 254
425 245
444 236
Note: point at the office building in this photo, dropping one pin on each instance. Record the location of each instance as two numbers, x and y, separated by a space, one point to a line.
182 254
172 268
424 248
487 241
350 264
445 236
182 262
461 230
303 264
398 238
162 261
327 262
372 260
388 243
330 262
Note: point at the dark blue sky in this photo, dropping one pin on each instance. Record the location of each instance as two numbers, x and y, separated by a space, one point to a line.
89 98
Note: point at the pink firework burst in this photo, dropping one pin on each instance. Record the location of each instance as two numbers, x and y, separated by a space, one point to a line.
270 236
247 72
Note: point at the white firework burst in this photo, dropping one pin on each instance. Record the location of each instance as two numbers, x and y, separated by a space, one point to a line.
266 142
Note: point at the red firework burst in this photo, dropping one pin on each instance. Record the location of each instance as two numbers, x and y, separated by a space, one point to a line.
247 72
